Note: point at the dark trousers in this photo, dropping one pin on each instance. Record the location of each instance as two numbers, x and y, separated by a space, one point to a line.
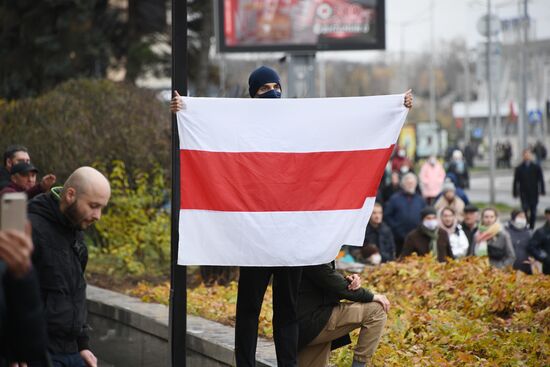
530 209
253 282
62 360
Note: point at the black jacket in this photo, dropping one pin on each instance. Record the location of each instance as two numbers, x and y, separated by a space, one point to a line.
383 238
60 257
321 289
4 177
539 247
528 182
22 326
520 240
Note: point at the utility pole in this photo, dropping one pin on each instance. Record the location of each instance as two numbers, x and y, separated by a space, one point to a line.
490 114
178 274
522 113
467 133
432 65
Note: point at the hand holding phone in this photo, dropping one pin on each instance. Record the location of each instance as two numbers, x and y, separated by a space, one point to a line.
13 211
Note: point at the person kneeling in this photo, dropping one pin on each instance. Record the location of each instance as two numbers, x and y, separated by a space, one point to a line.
325 322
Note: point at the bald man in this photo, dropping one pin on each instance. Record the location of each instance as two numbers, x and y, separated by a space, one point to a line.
60 257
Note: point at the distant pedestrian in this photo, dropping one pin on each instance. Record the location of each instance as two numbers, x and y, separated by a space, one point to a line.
493 241
431 177
448 221
540 151
428 238
449 199
392 187
520 236
539 245
402 211
459 168
23 179
470 224
379 234
12 155
400 162
528 185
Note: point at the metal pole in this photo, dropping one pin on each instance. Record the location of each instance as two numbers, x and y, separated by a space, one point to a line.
432 65
301 75
322 78
490 115
178 276
467 133
522 113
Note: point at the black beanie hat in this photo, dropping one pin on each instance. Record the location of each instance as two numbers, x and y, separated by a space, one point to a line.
259 77
427 211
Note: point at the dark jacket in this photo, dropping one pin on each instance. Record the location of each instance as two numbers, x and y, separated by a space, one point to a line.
60 257
461 174
22 328
383 238
539 247
321 289
12 187
4 177
470 234
417 241
520 240
528 182
402 213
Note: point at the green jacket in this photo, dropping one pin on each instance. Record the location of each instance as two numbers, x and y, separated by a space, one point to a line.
321 289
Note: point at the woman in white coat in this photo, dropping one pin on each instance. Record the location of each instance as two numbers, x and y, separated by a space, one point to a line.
448 221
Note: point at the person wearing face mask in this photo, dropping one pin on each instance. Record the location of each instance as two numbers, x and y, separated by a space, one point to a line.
264 82
402 211
459 168
253 281
520 235
431 176
400 162
493 241
428 238
448 221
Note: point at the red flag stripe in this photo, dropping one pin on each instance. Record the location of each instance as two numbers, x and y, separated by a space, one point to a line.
261 182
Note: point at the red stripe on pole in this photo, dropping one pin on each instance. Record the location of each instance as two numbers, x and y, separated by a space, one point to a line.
259 182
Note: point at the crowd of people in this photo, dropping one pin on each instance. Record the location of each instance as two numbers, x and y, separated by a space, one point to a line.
43 294
43 318
431 214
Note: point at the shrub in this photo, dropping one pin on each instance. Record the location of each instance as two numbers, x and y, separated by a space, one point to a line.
85 121
462 313
133 236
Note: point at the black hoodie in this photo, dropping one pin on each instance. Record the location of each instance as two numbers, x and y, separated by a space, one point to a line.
60 257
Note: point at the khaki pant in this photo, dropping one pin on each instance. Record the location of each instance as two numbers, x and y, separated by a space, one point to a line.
345 317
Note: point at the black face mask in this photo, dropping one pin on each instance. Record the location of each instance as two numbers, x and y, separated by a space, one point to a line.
270 94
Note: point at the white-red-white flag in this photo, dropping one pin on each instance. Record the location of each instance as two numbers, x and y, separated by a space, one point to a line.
280 182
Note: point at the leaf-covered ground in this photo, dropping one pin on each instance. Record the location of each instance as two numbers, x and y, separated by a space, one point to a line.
462 313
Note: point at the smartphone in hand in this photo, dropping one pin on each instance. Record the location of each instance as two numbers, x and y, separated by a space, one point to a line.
13 211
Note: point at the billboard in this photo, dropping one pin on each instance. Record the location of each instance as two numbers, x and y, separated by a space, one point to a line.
300 25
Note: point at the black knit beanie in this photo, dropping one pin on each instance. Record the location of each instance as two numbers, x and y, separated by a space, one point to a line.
259 77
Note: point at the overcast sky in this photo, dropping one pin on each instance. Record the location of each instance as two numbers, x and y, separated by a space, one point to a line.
453 19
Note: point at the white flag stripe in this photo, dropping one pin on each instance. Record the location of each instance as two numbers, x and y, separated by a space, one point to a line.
269 238
290 125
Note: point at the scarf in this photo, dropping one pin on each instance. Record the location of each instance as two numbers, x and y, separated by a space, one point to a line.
432 235
483 235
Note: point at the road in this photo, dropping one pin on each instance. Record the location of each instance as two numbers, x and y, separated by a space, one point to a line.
479 189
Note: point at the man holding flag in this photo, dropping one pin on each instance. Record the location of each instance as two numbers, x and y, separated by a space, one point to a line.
258 190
